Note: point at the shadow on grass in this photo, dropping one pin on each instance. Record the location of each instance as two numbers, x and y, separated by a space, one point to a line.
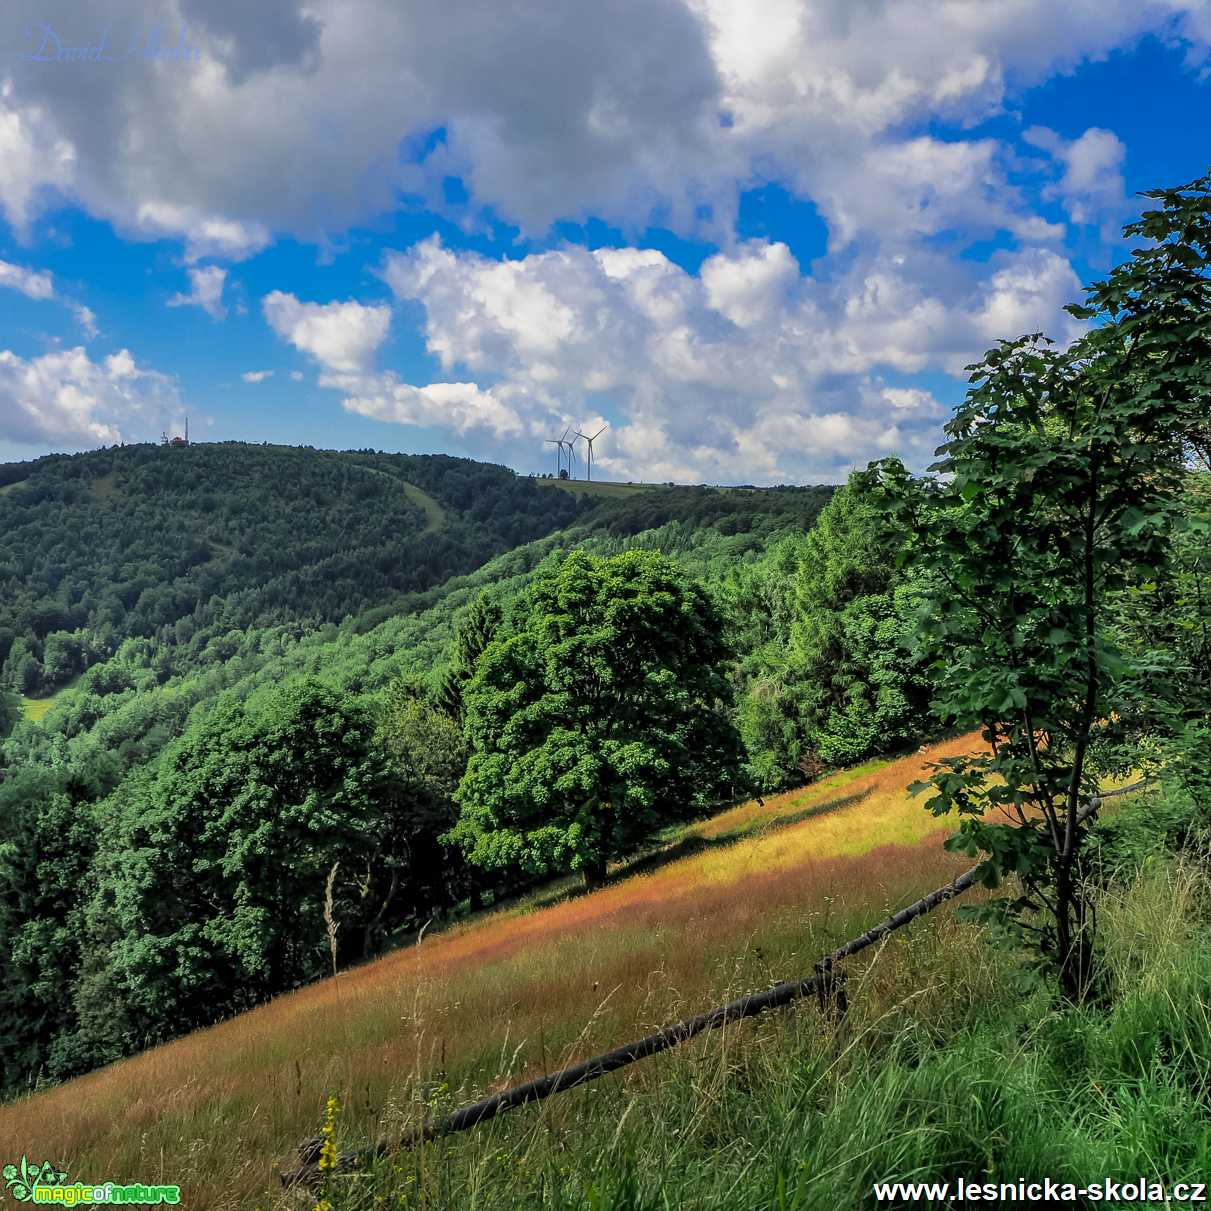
698 844
695 843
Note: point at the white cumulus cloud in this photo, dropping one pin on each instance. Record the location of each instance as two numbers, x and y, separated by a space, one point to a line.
342 337
749 370
66 399
86 318
205 235
1027 295
205 291
40 285
1090 184
457 407
624 109
31 283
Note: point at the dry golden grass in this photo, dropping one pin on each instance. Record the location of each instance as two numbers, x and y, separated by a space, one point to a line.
488 1002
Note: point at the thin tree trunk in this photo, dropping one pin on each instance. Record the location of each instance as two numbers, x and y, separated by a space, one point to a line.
595 866
1075 948
594 871
371 926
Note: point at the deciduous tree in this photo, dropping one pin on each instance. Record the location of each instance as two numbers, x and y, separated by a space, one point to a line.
597 715
1062 474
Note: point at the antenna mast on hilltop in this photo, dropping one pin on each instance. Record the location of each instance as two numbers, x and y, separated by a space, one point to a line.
590 441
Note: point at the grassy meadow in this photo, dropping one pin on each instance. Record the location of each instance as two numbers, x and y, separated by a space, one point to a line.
596 487
36 709
741 900
435 515
948 1062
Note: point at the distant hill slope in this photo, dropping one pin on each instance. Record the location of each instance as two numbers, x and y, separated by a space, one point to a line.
140 584
135 698
595 487
144 541
735 902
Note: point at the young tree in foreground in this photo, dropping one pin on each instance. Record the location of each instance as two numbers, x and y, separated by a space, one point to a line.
1062 474
596 714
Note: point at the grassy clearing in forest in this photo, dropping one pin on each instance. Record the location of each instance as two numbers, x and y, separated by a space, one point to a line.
104 487
758 893
435 515
36 709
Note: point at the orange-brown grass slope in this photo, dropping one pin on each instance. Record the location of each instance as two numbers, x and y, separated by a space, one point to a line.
750 896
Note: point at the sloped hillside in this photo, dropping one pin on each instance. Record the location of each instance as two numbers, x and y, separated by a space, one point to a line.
181 543
749 896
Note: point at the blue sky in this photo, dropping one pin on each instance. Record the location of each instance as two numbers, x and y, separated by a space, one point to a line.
760 249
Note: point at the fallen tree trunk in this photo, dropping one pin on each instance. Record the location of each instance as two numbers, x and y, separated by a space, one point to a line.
663 1039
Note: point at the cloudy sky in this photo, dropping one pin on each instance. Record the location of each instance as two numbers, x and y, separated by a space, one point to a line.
760 238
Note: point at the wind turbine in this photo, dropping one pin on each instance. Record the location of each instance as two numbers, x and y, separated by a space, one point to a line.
590 441
571 445
561 444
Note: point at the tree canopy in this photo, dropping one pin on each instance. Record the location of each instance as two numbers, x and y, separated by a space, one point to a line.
599 713
1061 489
211 867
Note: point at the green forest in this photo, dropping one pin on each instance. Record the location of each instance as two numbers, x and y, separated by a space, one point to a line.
300 686
199 617
179 545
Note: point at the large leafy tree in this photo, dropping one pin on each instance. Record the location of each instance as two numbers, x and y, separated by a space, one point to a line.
415 873
860 687
210 877
1062 475
759 597
47 837
598 714
1166 627
825 623
474 630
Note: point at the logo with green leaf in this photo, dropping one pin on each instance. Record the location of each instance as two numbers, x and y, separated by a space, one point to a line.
22 1180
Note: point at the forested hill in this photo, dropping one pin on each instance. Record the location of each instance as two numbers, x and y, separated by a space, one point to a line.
145 582
173 542
219 596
